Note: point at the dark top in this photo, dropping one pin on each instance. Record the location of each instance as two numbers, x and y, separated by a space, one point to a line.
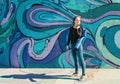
74 34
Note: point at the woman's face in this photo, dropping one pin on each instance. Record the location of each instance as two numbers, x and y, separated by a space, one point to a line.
77 21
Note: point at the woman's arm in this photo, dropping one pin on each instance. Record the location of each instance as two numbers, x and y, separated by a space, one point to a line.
69 37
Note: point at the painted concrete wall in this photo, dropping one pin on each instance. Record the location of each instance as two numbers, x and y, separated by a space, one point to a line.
33 33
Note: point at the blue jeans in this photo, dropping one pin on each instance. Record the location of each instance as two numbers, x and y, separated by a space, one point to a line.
78 57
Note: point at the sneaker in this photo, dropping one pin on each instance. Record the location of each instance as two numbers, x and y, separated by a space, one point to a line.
83 77
74 75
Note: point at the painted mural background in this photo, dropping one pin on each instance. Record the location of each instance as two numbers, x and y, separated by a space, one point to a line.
33 33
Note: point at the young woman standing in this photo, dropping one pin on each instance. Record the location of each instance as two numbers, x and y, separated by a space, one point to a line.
77 33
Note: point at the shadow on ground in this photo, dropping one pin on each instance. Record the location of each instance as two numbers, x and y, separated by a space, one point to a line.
31 77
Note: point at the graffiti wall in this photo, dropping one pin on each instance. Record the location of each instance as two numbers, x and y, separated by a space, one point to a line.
33 33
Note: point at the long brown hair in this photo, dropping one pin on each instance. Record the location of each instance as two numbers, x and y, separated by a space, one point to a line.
79 31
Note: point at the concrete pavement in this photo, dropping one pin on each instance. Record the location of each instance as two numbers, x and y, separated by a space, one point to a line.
57 76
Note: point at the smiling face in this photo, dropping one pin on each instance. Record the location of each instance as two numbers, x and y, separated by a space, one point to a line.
77 21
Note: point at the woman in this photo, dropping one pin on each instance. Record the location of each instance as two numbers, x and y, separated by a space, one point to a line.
77 33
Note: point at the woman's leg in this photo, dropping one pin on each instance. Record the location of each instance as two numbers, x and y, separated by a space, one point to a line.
75 59
81 60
